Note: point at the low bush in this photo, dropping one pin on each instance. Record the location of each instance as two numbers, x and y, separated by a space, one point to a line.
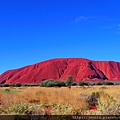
93 99
55 83
18 84
108 83
11 85
98 83
24 85
44 83
5 85
82 83
28 84
22 109
74 84
51 83
33 85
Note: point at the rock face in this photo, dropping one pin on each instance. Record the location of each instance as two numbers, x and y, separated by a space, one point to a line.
59 69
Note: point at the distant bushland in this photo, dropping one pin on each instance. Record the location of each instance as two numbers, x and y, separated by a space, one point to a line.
82 83
61 83
51 83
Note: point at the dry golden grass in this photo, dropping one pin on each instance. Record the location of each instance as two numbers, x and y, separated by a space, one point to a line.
50 95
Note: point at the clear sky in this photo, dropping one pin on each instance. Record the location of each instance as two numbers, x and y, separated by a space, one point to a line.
32 31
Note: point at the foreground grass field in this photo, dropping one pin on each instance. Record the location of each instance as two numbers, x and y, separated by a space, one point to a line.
59 100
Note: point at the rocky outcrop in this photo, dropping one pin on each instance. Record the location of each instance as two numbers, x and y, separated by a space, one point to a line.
59 69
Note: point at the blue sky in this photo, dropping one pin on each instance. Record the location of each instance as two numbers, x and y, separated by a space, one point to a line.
32 31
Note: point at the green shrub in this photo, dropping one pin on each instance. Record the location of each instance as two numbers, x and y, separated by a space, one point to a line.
108 83
12 85
86 84
82 83
28 84
98 83
44 83
24 85
51 83
18 84
32 85
54 83
6 90
74 84
5 85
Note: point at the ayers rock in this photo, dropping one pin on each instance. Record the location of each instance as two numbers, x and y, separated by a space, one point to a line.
60 68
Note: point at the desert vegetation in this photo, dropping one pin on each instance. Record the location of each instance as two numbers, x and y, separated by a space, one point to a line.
65 97
62 83
79 100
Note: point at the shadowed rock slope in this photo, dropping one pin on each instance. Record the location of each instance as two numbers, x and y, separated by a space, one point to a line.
60 68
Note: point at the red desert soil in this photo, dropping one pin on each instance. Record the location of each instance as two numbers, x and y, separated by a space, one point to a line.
60 68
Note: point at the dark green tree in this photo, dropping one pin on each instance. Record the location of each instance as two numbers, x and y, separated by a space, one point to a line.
69 81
